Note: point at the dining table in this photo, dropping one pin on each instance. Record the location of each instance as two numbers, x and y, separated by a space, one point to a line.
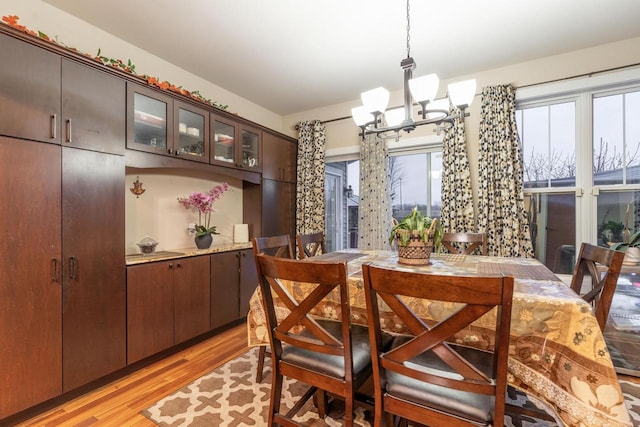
557 352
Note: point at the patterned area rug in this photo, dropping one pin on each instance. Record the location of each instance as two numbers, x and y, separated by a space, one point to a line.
229 396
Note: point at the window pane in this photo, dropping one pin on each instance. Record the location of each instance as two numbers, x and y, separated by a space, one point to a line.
535 146
552 221
436 185
548 137
613 217
409 180
562 137
632 136
607 140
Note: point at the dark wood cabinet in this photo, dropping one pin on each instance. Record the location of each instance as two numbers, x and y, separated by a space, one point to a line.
149 309
192 296
93 304
233 281
93 116
156 123
30 289
279 158
167 303
50 99
278 208
235 144
248 279
29 91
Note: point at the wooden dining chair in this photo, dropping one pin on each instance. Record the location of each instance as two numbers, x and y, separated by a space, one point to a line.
602 266
465 243
311 244
425 376
329 355
279 246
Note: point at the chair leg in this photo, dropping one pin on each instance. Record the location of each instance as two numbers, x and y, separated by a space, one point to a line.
276 394
261 355
320 402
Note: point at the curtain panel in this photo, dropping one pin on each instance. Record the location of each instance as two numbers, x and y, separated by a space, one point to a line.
374 214
457 214
501 213
310 204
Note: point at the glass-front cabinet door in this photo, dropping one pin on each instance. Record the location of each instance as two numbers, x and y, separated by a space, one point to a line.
191 133
250 150
149 120
224 142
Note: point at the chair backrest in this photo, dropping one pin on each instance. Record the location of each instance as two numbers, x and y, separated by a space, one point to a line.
311 244
470 241
298 328
278 246
431 339
603 266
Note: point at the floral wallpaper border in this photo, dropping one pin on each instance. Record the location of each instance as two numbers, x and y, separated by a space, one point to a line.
128 67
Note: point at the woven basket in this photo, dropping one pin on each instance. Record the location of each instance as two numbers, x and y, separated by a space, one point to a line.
416 252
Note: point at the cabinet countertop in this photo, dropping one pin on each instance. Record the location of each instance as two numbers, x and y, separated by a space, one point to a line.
135 259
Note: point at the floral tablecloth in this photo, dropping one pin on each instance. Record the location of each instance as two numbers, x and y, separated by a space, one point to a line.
557 352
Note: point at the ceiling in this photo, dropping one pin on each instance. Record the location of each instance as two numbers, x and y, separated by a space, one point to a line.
291 56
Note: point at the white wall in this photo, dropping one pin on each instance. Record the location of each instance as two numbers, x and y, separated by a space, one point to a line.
158 214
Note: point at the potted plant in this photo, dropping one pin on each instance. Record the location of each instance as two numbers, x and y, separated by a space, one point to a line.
631 247
416 235
203 203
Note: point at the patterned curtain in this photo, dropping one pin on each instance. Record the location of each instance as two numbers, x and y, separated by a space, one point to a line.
310 187
501 213
374 215
457 214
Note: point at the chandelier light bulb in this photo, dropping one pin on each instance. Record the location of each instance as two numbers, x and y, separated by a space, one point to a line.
375 100
462 93
438 104
361 116
394 117
424 88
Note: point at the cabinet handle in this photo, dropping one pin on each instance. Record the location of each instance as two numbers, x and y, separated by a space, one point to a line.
170 266
54 268
179 265
54 129
170 151
68 130
73 264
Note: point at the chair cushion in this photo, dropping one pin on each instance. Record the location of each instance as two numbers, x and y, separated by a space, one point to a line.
474 406
334 365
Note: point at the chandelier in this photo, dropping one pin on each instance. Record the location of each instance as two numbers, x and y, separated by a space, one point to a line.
373 117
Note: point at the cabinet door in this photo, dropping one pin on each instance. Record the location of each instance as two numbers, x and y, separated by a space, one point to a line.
250 149
149 309
93 109
225 141
30 289
279 157
192 297
149 120
248 279
191 135
30 91
278 208
93 228
225 293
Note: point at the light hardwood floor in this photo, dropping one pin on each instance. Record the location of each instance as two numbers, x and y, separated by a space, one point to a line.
119 403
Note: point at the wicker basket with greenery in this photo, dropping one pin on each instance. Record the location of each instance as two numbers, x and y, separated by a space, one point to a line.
415 236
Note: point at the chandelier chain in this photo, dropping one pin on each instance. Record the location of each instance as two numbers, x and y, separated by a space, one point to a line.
408 32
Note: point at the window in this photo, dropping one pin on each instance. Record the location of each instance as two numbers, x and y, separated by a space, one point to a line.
581 158
415 181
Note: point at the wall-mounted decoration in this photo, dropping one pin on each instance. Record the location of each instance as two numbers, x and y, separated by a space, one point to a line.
137 187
